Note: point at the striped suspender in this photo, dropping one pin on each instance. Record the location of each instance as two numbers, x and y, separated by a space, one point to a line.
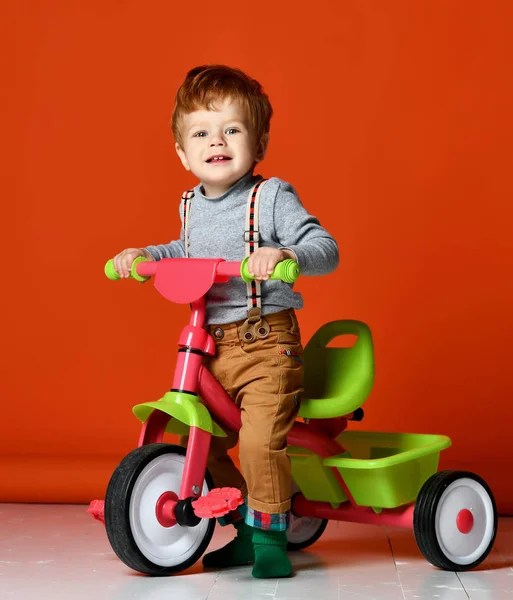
255 326
186 197
252 239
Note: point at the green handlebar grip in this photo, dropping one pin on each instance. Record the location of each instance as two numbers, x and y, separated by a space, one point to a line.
112 274
110 271
286 270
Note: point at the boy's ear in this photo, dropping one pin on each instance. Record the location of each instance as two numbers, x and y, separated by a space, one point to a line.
183 158
262 147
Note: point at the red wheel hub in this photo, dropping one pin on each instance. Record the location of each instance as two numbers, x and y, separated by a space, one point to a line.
165 509
465 521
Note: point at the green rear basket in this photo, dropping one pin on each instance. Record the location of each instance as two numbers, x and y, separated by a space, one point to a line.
386 470
381 470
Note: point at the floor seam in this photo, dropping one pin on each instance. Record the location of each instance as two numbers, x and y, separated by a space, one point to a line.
395 565
461 582
212 586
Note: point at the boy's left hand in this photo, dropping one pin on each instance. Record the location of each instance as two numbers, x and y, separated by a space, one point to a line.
263 260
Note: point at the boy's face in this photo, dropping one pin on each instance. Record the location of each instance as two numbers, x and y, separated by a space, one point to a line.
219 146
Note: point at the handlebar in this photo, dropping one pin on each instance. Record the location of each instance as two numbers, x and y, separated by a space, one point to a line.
286 270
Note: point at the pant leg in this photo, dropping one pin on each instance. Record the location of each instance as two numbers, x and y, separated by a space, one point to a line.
269 376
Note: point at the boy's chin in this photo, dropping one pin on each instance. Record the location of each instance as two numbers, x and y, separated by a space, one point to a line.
223 179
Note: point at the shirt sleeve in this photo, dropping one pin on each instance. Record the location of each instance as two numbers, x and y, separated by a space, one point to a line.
175 248
300 232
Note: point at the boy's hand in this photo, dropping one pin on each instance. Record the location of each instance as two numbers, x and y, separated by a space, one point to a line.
123 261
262 262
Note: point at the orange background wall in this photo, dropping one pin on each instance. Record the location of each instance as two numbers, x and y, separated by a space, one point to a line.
394 122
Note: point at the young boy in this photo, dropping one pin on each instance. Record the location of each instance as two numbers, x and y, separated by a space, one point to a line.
221 127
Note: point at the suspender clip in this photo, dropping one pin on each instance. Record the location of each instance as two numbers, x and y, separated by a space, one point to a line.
248 234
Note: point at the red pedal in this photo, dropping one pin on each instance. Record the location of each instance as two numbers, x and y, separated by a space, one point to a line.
96 508
217 503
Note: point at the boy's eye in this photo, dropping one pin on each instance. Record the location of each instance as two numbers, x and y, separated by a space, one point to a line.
200 134
232 130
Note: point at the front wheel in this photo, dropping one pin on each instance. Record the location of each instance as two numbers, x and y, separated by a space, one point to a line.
134 532
455 520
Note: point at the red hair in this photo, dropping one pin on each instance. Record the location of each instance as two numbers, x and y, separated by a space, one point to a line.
206 85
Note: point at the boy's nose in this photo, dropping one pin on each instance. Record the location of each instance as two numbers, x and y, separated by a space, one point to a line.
217 140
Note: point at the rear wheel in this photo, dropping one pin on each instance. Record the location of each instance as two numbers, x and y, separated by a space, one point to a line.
135 533
303 531
455 520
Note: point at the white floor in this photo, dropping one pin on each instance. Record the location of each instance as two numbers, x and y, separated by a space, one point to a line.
54 552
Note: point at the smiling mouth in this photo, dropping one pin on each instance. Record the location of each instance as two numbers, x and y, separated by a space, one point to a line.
218 159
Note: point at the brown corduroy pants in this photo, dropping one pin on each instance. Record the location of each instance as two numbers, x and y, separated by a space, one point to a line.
265 378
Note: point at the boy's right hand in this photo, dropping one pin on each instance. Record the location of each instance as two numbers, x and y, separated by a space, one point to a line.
123 261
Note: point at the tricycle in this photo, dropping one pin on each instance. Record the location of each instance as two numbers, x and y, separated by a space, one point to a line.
161 506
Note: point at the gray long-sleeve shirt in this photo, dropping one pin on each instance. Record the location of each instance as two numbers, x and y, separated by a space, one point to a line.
216 230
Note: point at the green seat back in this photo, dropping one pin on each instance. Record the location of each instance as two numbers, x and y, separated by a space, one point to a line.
337 380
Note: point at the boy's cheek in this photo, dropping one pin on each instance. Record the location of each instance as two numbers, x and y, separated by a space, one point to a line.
183 157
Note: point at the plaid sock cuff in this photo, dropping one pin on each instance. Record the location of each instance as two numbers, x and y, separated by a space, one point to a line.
260 520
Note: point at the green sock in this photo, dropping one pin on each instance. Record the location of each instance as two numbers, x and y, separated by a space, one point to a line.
271 559
237 552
